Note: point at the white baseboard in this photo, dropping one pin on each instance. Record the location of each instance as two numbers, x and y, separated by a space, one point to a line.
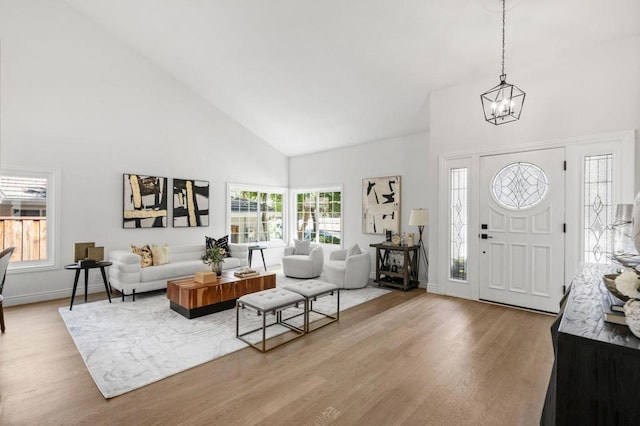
433 288
51 295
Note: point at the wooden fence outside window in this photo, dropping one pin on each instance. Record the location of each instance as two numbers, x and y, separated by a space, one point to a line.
28 235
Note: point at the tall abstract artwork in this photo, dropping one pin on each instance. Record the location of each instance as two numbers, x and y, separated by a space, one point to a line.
190 203
381 205
145 202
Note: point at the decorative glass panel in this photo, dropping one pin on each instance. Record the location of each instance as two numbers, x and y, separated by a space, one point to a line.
519 186
598 210
458 223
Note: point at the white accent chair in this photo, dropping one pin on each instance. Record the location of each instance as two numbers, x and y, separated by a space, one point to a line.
302 265
348 271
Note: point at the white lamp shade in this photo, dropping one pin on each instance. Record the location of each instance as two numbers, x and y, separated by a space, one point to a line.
419 217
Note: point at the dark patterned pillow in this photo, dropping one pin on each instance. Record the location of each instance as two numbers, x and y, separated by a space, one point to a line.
220 242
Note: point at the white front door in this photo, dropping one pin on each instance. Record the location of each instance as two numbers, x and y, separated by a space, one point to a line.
522 204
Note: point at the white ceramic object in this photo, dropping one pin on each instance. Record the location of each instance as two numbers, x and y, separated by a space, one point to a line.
632 315
635 230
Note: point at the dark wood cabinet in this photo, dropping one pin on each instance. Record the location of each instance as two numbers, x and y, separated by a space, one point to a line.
405 275
596 372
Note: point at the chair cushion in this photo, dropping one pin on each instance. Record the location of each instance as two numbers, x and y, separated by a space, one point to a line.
273 298
303 247
310 288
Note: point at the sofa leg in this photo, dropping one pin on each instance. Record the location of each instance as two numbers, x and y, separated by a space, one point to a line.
134 295
122 292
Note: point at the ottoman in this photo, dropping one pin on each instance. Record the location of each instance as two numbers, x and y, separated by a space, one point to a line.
311 290
272 301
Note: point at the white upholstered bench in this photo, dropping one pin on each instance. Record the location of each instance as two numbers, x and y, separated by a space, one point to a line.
311 290
273 301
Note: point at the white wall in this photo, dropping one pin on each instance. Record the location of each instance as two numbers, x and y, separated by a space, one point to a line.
75 99
404 156
583 93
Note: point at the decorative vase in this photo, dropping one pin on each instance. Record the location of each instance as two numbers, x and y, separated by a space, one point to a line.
217 268
635 229
632 315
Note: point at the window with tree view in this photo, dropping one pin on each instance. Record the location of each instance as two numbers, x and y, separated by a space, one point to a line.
319 216
255 216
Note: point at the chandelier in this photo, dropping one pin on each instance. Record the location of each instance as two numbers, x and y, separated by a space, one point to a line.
502 103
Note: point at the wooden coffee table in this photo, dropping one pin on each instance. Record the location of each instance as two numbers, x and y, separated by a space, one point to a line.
193 299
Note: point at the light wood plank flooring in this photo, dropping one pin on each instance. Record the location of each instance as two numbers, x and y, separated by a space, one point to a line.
405 358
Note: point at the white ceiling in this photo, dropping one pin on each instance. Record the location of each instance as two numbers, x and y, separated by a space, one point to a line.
309 76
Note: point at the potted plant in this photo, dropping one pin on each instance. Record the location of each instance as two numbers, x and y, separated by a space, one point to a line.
214 256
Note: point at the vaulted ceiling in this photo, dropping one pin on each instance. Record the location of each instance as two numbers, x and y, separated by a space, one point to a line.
309 76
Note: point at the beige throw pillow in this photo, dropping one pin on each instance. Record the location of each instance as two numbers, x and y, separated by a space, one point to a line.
161 255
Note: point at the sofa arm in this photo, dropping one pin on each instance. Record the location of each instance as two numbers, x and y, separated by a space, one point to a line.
288 251
340 254
125 269
124 257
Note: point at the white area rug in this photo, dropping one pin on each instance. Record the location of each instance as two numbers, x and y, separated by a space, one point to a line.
129 345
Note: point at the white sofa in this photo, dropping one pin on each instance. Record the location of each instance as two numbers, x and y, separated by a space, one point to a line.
301 265
347 271
127 276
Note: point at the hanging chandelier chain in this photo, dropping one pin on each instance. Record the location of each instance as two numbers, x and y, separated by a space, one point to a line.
503 25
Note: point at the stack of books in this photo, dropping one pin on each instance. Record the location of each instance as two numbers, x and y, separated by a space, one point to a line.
613 309
246 273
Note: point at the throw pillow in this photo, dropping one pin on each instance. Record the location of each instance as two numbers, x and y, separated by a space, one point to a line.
161 255
353 250
302 247
222 242
146 257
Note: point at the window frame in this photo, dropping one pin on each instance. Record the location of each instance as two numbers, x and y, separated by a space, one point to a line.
232 187
317 190
53 219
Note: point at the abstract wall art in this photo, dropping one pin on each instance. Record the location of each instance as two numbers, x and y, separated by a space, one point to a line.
145 201
381 205
190 203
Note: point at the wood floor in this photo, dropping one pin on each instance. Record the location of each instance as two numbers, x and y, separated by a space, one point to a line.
405 358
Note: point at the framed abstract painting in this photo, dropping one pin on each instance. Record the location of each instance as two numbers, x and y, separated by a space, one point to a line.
190 203
381 205
144 201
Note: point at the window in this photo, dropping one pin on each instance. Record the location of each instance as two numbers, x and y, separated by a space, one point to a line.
26 213
318 216
255 214
458 223
519 186
598 207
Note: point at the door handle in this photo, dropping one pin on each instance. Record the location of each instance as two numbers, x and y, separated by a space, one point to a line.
485 236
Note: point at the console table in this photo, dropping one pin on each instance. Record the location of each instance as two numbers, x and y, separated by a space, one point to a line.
596 371
406 276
